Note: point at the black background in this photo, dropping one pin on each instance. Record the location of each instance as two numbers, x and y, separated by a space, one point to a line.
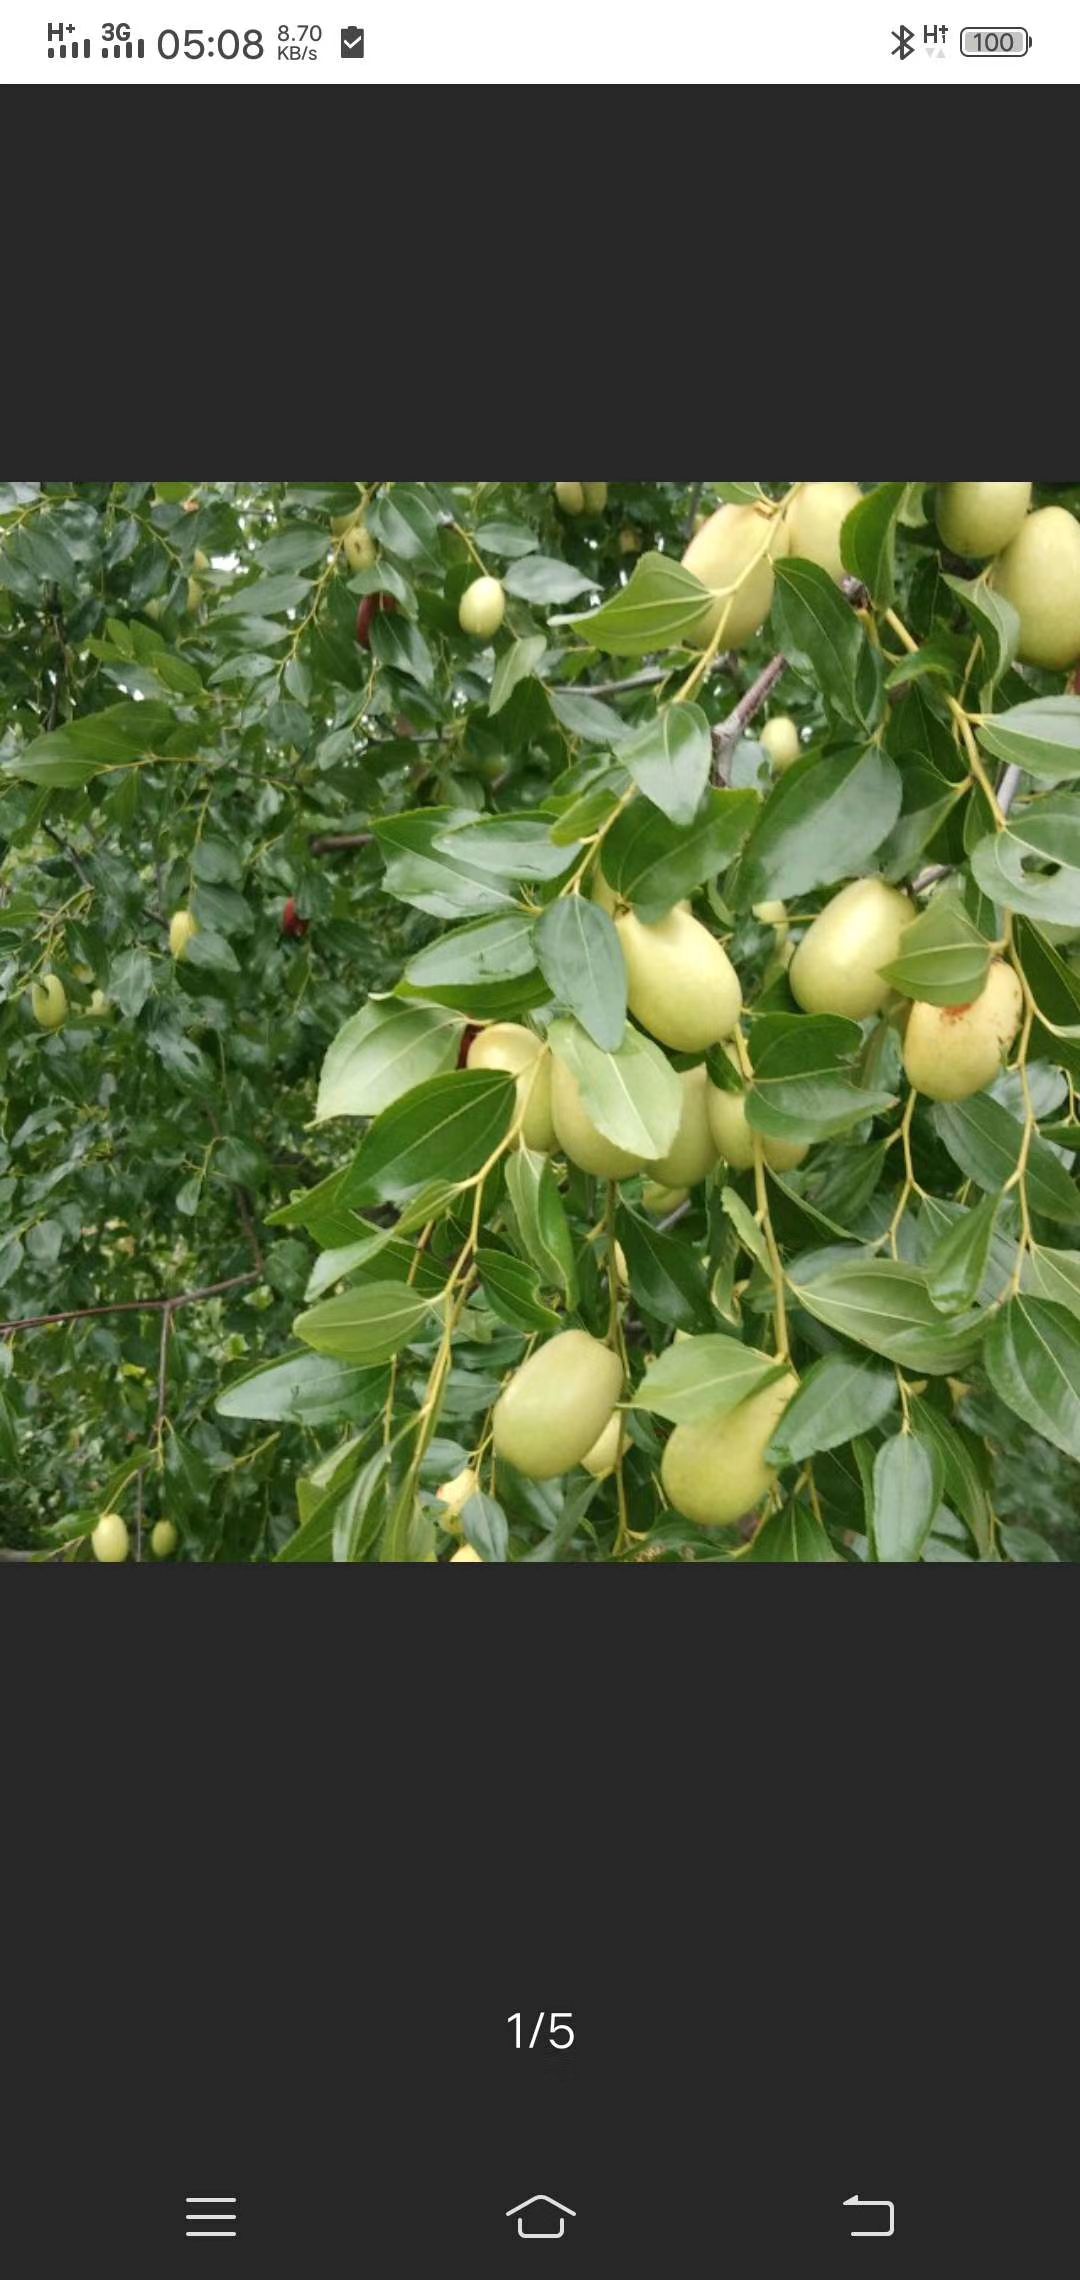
282 1850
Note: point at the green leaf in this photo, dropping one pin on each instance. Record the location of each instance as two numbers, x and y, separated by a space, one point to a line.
1055 988
995 621
928 797
802 1089
509 539
841 1396
958 1262
401 519
511 1288
885 1304
516 664
70 756
654 864
1033 865
965 1471
704 1377
483 969
868 541
587 717
670 759
579 955
985 1141
821 636
1042 736
823 821
303 1389
666 1276
485 1527
1032 1357
445 1129
908 1476
790 1537
943 958
396 642
632 1095
431 877
541 1221
660 606
540 578
511 846
383 1051
366 1325
265 597
1055 1275
131 981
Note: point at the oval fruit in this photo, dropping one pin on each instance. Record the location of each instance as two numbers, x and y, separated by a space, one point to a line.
577 1135
660 1201
976 519
716 1471
693 1151
815 519
182 928
604 1455
732 1135
482 608
369 609
736 547
48 1002
595 497
110 1540
194 595
507 1045
464 1552
780 739
681 984
952 1051
163 1539
571 497
837 966
455 1494
557 1404
360 547
1039 573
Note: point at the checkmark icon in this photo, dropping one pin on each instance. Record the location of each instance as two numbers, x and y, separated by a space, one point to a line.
352 42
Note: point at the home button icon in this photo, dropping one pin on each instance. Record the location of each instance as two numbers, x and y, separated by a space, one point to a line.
539 2223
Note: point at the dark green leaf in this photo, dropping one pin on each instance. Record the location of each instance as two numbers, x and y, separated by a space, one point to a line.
366 1325
443 1130
579 956
943 958
985 1141
654 864
822 638
908 1475
823 821
1032 1358
666 1276
511 1288
840 1396
868 541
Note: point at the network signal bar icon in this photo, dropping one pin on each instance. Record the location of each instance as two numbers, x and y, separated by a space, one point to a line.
62 44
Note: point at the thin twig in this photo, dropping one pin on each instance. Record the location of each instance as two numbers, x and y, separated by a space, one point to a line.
129 1306
336 842
644 680
727 732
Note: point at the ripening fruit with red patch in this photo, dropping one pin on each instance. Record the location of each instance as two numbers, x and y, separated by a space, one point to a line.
291 921
368 607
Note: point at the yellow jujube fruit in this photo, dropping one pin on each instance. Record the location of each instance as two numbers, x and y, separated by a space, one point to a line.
595 497
715 1472
464 1552
774 914
571 497
976 519
577 1135
681 984
360 547
815 519
629 540
837 966
199 560
952 1051
482 608
455 1494
48 1002
732 1136
182 927
557 1404
735 549
163 1539
604 1455
194 595
110 1540
507 1045
693 1151
1039 573
99 1008
780 739
660 1201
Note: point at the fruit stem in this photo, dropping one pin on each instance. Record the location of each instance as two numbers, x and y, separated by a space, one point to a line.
761 1193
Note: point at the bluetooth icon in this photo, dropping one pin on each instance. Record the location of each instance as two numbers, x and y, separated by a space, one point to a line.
903 42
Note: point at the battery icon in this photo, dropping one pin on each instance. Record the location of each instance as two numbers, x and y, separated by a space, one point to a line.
995 39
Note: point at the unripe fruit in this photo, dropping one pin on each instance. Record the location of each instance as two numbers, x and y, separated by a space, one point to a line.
837 966
163 1539
482 608
681 984
952 1051
595 497
183 926
455 1494
815 519
780 739
714 1472
976 519
360 548
48 1002
692 1153
659 1201
200 561
719 554
774 914
604 1455
571 497
291 921
194 595
369 608
556 1405
154 608
465 1552
99 1008
578 1136
1040 575
733 1137
110 1540
507 1045
629 540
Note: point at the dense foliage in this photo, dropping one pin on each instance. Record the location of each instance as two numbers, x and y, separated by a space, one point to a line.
492 1007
